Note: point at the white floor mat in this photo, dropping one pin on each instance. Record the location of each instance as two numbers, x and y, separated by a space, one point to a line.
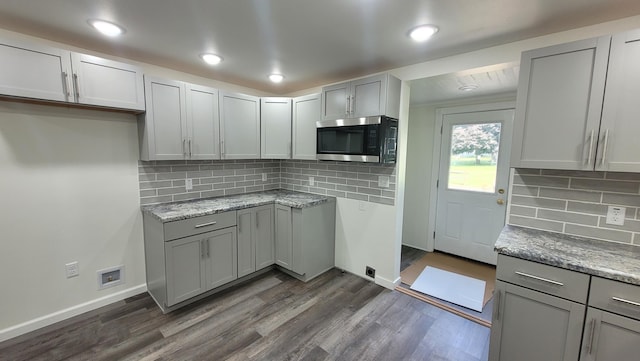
462 290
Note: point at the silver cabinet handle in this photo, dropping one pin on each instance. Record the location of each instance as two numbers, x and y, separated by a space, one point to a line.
351 104
347 106
202 249
208 242
184 148
190 148
75 86
239 224
65 86
539 278
496 305
590 147
622 300
222 148
205 224
257 221
592 331
290 150
604 147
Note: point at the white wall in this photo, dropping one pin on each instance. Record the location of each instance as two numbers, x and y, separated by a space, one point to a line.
418 178
69 191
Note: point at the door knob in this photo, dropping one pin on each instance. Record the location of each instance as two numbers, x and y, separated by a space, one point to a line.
500 201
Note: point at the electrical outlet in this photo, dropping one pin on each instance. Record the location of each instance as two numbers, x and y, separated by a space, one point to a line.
264 177
188 184
383 181
311 181
370 271
72 269
615 215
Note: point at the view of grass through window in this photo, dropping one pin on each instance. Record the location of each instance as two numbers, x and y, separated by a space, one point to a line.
474 157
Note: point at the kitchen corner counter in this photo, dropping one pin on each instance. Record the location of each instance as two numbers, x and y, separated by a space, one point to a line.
614 261
174 211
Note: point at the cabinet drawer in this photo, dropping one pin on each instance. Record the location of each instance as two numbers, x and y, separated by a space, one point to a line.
191 226
552 280
617 297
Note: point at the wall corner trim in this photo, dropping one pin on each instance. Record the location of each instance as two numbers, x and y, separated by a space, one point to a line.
387 283
46 320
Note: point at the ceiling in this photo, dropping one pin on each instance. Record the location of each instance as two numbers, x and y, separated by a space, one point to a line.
311 42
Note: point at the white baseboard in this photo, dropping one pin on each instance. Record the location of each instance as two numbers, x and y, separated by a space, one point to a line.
61 315
387 283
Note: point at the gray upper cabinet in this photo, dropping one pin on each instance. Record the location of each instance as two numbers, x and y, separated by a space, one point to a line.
41 72
181 121
306 112
371 96
618 145
107 83
239 126
559 102
275 124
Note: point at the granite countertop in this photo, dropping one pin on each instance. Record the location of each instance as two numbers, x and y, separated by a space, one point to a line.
174 211
610 260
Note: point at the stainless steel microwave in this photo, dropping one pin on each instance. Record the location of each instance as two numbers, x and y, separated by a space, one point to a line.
367 139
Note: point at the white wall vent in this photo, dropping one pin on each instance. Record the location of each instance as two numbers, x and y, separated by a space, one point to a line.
110 277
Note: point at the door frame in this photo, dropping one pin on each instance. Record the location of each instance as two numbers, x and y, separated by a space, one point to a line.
435 161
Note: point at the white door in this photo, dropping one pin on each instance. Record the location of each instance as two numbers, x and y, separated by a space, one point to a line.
473 183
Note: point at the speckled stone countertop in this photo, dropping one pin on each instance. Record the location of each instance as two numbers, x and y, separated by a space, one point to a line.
175 211
614 261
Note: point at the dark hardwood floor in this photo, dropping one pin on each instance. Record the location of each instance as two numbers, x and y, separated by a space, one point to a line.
337 316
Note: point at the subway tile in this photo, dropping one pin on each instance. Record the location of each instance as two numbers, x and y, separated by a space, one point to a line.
210 194
383 170
174 190
524 190
325 185
255 189
212 167
346 188
629 225
253 177
389 194
202 187
358 196
172 175
337 167
237 178
523 211
234 166
371 191
225 185
200 174
353 182
186 196
153 169
272 186
301 165
349 175
584 219
152 200
573 173
317 190
623 176
317 166
600 233
287 186
212 180
148 193
178 183
621 199
382 200
536 223
570 194
606 185
225 172
146 177
336 194
636 239
184 168
591 208
245 184
367 176
527 171
233 191
327 173
157 184
320 179
538 202
530 180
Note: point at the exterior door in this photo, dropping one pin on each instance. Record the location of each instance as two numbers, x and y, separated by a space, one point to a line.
473 183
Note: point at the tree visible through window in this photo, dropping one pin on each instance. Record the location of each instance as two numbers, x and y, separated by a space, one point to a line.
474 157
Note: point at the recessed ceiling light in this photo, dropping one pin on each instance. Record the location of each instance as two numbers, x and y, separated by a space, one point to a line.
423 32
276 78
211 59
106 28
468 88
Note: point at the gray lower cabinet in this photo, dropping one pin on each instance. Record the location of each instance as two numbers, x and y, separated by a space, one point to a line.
532 326
305 239
610 337
255 239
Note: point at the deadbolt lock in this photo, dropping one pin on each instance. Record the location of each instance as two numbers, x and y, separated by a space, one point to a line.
501 191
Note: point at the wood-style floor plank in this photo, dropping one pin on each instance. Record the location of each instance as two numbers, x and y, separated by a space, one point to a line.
337 316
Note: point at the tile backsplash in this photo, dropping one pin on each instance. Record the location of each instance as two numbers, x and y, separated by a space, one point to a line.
164 181
576 202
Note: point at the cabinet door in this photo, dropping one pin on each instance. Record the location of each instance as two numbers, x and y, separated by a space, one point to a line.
284 239
221 264
275 125
107 83
368 96
559 104
306 112
533 326
609 337
34 71
618 147
240 126
164 122
246 242
265 246
335 101
203 122
184 267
